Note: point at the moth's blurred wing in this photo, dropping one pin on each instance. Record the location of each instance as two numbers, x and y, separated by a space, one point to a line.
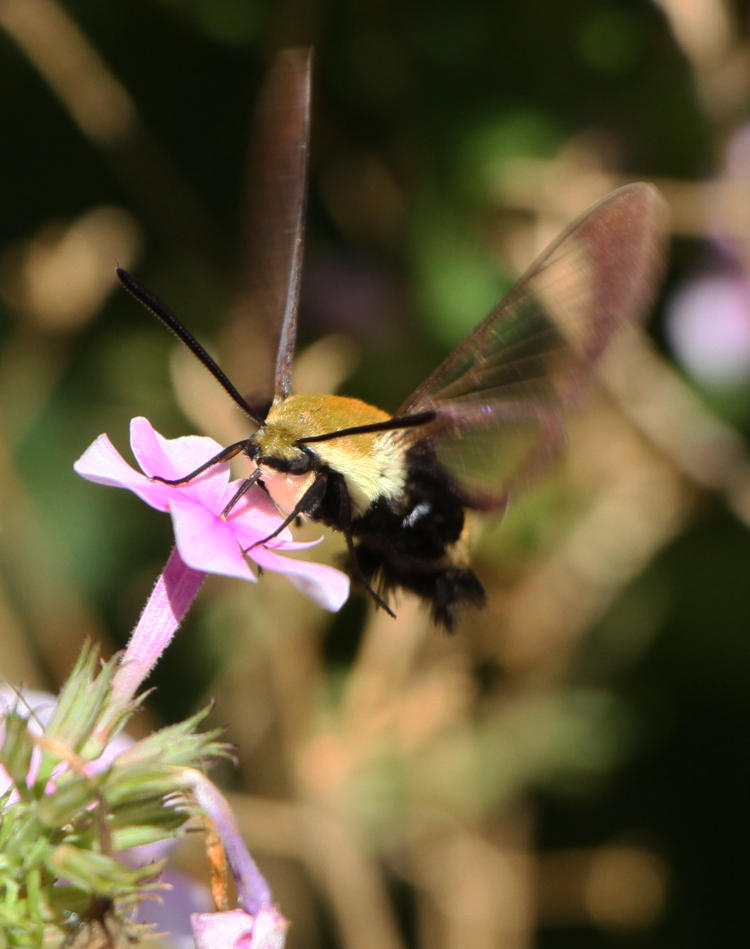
500 396
275 220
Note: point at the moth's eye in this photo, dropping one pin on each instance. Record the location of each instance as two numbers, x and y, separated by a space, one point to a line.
252 449
300 464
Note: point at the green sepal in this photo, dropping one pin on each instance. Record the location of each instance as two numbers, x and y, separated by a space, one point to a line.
100 873
138 836
69 800
15 754
79 708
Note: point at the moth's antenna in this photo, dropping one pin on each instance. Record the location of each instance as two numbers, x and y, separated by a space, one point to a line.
163 313
388 425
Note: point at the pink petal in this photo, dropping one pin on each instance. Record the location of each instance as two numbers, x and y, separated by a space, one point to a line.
325 585
236 929
254 518
177 457
207 542
102 463
232 929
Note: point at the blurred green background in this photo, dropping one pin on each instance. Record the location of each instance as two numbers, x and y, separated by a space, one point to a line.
569 769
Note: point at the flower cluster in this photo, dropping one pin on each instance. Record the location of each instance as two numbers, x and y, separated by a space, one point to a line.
76 797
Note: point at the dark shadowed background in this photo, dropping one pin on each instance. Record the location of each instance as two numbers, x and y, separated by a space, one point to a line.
570 768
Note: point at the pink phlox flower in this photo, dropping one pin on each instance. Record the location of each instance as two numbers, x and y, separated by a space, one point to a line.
205 540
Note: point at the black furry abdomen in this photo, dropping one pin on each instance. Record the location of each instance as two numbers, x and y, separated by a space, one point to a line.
406 542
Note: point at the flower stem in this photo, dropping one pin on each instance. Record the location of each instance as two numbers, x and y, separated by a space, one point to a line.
161 617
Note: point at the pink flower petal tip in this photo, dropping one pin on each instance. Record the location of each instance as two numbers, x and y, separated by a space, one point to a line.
236 929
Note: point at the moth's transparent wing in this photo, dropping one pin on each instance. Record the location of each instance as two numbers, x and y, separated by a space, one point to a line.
500 396
275 220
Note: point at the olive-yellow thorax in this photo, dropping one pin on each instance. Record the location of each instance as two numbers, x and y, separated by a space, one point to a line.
371 464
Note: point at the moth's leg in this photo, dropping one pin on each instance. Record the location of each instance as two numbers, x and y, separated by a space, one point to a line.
306 505
344 522
241 491
224 455
361 578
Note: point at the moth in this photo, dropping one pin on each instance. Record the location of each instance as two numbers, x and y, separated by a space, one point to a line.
479 428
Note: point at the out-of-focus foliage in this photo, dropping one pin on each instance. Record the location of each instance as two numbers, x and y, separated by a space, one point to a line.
570 768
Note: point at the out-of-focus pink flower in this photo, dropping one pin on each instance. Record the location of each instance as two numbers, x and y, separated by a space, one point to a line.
37 708
708 326
708 316
256 924
206 541
236 929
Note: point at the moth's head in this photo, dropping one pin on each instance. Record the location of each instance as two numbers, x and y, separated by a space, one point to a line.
287 469
271 448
